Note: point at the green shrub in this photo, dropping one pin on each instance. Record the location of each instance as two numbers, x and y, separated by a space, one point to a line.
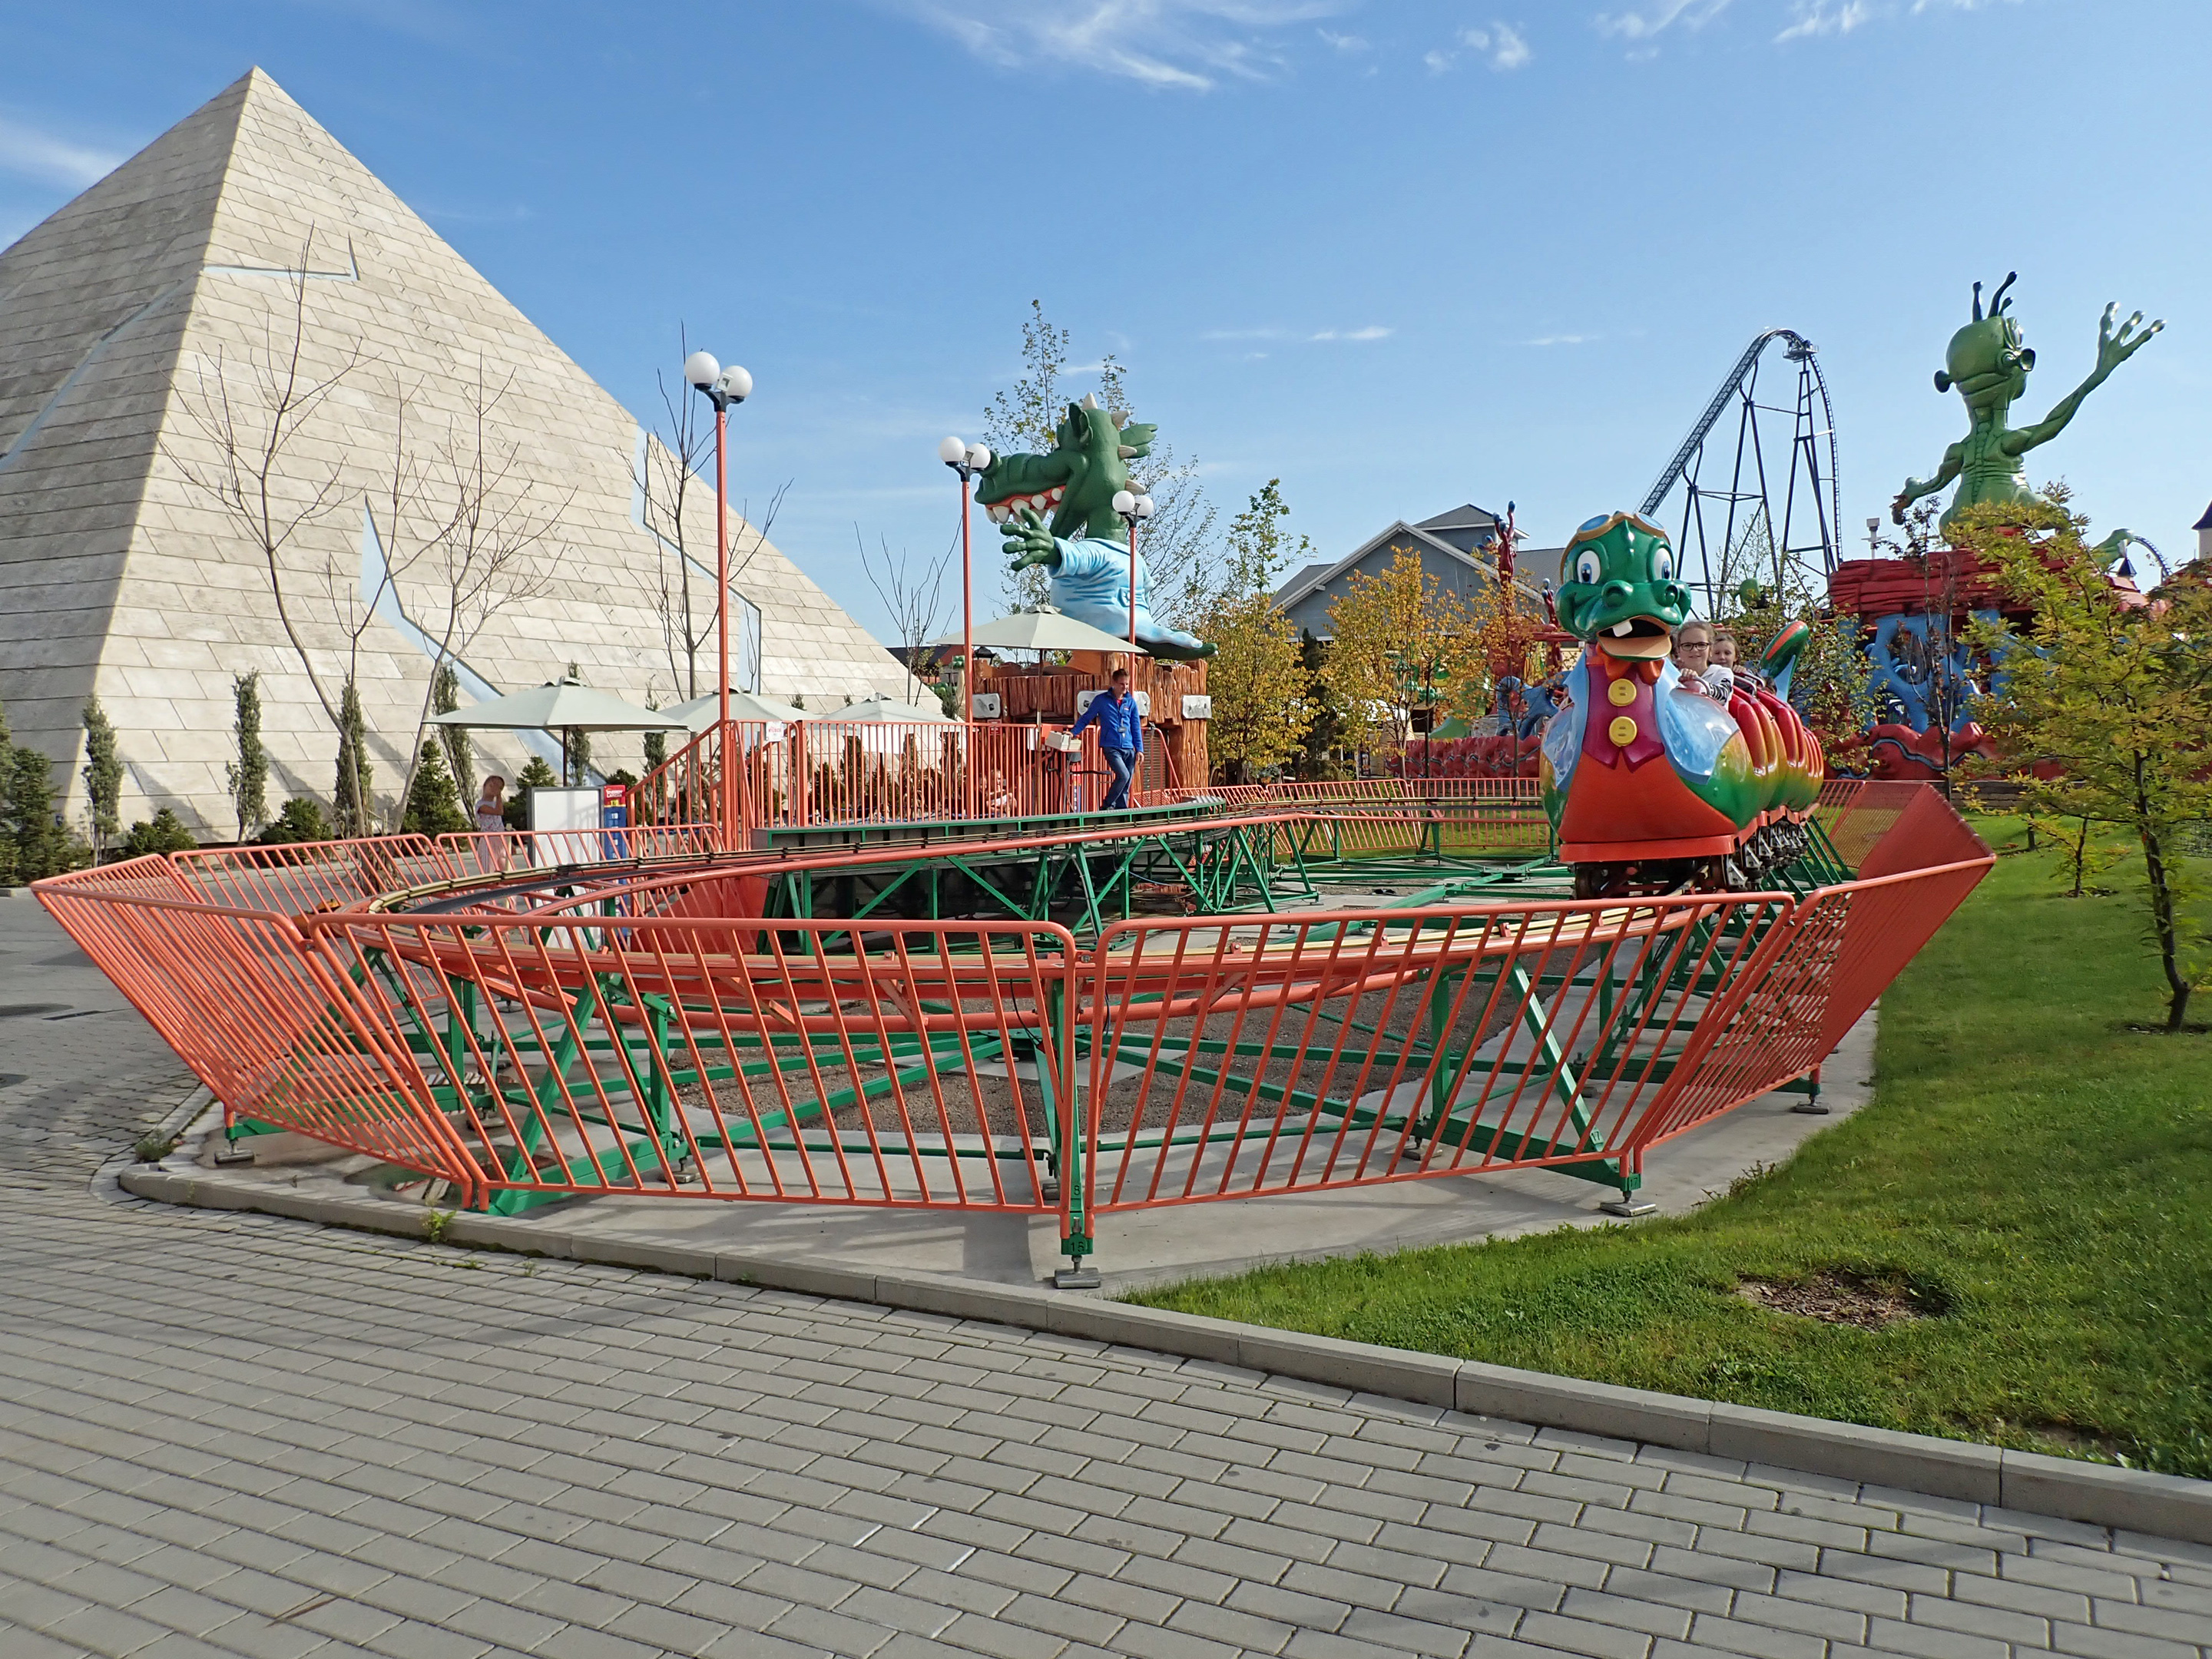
301 819
434 807
535 775
166 833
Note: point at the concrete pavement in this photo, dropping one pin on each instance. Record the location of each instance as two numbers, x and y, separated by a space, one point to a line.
225 1435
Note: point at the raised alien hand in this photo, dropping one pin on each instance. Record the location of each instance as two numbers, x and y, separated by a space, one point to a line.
2115 347
1029 540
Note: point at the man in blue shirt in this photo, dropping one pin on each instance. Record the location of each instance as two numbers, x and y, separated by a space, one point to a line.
1121 735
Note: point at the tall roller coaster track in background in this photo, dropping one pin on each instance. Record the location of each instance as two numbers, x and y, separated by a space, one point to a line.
1772 514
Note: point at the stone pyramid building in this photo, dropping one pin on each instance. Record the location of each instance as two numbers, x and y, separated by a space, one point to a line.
255 415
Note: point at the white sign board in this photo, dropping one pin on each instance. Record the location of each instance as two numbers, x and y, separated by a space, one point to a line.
1198 707
564 809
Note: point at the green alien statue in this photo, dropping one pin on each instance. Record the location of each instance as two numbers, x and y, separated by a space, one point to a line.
1989 364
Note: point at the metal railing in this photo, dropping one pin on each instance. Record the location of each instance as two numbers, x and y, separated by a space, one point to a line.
638 1026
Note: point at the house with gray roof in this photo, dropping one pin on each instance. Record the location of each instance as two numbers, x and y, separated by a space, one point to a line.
1458 549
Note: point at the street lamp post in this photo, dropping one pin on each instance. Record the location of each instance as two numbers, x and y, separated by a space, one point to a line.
721 388
966 460
1133 509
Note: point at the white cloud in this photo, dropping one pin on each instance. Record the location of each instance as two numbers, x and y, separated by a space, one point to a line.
1811 19
1371 331
1350 44
1563 339
1501 45
1510 50
1818 17
1188 45
1659 16
31 154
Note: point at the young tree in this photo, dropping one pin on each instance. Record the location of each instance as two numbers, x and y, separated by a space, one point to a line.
42 844
1403 642
444 698
352 804
166 833
1327 725
469 521
1024 417
682 580
2117 699
656 742
535 775
913 597
575 742
9 875
434 808
246 778
243 424
103 774
1260 716
1177 541
301 819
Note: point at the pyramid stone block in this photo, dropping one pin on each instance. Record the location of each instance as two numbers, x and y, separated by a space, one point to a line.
176 288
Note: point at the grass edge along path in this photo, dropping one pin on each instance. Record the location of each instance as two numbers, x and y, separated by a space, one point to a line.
2027 1193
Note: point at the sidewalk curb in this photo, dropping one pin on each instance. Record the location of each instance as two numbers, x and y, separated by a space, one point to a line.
2132 1500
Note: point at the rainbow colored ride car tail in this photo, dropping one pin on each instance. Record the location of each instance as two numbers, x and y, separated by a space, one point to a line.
1652 785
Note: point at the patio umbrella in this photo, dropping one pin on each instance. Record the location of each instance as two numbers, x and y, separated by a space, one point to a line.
701 712
560 707
881 707
1042 629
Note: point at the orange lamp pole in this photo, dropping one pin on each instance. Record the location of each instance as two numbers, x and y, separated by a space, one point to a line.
722 615
967 609
966 460
722 387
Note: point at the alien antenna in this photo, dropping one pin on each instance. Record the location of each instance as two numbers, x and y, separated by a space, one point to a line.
1997 300
1977 302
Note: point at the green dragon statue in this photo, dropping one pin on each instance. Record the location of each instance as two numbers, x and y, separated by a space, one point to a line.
1989 364
1082 544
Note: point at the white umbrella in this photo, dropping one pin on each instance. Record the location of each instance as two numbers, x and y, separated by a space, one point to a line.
881 707
1042 629
701 712
562 707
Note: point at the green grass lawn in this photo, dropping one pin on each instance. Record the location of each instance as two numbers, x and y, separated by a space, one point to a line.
2034 1173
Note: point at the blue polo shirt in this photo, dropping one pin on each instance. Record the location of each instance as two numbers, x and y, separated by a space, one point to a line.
1119 725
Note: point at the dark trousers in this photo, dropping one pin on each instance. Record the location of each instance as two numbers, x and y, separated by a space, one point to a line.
1124 764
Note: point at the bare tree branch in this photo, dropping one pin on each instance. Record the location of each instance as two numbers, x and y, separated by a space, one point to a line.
251 416
914 599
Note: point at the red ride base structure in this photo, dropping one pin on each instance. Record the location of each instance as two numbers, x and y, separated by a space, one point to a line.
509 1021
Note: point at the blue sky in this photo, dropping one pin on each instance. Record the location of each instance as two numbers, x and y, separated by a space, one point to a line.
1401 255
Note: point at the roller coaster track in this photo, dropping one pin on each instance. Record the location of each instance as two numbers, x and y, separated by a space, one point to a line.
1811 423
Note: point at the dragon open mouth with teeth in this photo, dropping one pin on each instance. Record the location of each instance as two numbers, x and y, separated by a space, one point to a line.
1056 510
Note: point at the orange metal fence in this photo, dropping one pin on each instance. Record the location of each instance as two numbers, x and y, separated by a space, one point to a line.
670 1043
832 771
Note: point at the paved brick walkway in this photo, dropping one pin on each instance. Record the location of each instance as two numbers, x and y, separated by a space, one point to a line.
239 1436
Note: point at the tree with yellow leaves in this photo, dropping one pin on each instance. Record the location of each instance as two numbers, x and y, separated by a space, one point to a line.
1257 681
1403 642
2104 711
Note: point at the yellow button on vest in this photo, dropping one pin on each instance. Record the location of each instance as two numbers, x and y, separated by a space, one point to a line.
1622 731
1621 693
